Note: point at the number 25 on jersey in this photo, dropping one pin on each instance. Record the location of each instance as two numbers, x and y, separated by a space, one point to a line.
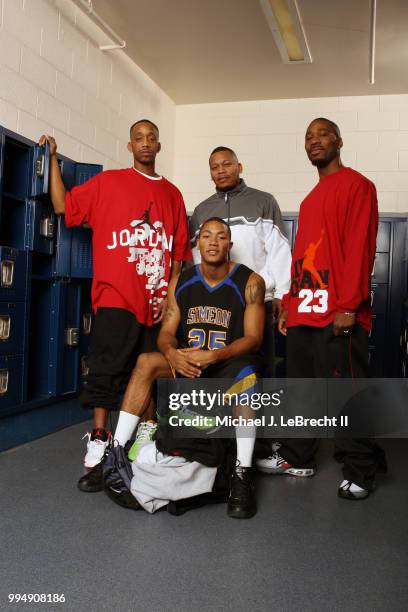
215 339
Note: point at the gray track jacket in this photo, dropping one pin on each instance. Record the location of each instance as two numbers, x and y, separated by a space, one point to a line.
257 233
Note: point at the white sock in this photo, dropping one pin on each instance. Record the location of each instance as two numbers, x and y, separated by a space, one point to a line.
245 444
125 428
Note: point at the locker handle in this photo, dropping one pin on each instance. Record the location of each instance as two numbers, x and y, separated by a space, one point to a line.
84 367
4 380
5 324
47 227
87 323
40 165
72 336
7 273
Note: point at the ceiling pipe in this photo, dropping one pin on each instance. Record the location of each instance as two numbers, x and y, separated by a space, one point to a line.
87 6
373 22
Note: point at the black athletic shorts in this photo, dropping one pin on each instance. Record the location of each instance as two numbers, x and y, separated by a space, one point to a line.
117 341
236 368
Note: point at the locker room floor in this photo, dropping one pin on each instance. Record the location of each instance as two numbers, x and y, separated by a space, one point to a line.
305 549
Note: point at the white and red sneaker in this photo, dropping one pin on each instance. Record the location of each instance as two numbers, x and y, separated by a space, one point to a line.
276 464
97 443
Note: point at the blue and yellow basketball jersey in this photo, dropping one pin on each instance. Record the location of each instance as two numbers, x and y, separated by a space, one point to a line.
211 317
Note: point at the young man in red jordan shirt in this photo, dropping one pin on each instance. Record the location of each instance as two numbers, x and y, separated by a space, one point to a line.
326 314
140 239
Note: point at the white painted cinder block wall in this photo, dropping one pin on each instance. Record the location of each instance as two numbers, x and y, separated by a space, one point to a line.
54 79
268 137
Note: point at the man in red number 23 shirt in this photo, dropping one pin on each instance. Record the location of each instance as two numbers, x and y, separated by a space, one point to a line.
326 314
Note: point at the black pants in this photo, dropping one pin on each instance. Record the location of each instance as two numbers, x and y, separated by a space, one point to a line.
316 353
268 342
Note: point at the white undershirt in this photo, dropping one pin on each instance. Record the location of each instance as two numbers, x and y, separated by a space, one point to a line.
152 178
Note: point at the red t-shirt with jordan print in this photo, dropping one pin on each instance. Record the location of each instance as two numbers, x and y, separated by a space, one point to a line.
139 226
334 251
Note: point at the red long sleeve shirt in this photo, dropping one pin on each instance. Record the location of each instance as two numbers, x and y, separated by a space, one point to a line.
334 251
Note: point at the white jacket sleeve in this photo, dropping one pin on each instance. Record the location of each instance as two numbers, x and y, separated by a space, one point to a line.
278 255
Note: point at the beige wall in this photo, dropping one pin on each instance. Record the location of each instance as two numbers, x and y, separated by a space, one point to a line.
268 137
53 78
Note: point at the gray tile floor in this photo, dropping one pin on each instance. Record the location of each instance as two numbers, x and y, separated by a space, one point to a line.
306 550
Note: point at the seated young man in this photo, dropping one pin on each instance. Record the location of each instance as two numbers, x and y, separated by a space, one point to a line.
213 327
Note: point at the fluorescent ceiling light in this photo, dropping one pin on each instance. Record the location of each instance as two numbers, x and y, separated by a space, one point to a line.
284 19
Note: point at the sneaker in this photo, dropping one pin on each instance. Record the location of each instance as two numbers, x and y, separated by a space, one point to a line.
205 422
351 490
145 433
92 482
276 464
123 498
98 442
241 501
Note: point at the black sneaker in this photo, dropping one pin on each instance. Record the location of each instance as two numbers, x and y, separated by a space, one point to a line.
241 502
351 490
92 482
122 497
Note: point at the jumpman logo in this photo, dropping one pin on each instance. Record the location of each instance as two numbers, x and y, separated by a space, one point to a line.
308 261
146 218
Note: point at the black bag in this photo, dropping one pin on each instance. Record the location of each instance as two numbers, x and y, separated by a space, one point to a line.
117 476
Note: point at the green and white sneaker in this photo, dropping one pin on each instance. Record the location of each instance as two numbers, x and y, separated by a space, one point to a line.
203 422
145 434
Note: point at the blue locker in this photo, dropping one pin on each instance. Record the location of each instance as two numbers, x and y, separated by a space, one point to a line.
67 354
12 326
81 247
13 274
81 253
54 338
289 224
56 263
71 249
68 172
16 169
379 298
61 263
87 322
11 381
383 237
41 227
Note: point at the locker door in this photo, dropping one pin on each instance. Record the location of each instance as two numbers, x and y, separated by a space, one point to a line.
81 247
40 169
68 334
41 227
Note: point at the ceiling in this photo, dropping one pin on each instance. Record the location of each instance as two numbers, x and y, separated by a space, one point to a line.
223 50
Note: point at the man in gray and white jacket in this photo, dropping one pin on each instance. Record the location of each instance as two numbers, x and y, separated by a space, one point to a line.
257 232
